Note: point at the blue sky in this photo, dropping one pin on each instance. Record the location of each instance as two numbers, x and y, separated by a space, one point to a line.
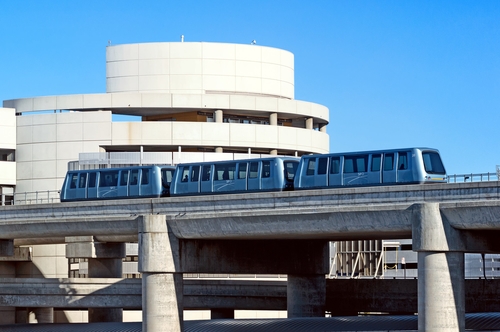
393 73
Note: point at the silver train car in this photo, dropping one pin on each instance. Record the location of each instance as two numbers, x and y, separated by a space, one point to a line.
116 183
369 168
234 176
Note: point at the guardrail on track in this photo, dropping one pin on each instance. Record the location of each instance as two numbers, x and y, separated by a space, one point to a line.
473 177
36 197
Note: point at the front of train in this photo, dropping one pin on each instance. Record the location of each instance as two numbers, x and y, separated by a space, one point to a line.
431 168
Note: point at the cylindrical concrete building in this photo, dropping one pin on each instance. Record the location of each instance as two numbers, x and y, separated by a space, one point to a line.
190 100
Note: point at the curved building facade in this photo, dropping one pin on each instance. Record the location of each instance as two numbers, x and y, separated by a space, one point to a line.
187 99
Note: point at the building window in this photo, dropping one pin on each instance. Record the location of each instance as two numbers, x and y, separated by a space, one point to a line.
7 155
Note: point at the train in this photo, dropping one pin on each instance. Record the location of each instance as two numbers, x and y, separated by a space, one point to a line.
116 183
370 168
234 176
314 171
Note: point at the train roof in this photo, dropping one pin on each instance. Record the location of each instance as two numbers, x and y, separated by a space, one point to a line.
238 160
372 151
119 168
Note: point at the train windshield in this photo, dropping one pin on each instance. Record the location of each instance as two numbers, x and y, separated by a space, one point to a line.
433 163
166 177
290 169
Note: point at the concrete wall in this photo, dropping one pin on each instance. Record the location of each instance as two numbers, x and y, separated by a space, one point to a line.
47 142
7 141
218 134
199 68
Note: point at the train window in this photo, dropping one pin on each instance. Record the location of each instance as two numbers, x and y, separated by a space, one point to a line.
290 169
166 177
83 180
195 173
254 170
205 172
433 163
388 161
145 176
185 174
402 160
242 170
322 165
134 175
108 179
225 171
376 159
266 169
73 181
124 178
335 165
311 165
355 164
92 177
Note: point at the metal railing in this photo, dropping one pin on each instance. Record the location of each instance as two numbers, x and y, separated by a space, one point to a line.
36 197
473 177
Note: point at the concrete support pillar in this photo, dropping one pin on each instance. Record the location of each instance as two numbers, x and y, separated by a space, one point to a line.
441 292
322 128
222 313
219 149
309 123
105 268
273 152
273 119
306 295
441 276
105 260
162 283
218 116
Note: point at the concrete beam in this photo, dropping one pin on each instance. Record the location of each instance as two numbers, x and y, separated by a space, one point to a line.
86 247
21 254
259 256
62 226
365 295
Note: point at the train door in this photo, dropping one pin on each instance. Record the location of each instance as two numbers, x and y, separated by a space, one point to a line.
81 186
145 182
194 179
241 176
335 178
321 176
374 173
133 184
206 179
267 181
290 170
167 174
389 172
224 177
108 181
404 171
355 170
92 185
253 183
123 183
